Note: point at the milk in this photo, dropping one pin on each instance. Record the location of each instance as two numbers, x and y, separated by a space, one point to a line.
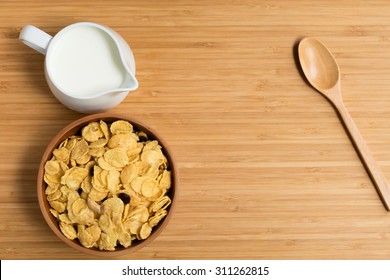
85 61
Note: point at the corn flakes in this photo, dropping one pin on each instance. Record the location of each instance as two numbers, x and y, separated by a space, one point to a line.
92 132
79 149
121 126
145 231
68 230
62 154
108 185
156 218
116 157
88 236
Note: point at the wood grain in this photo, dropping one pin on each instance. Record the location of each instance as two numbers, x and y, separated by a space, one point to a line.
267 169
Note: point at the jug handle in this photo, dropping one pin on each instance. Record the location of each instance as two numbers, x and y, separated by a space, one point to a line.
35 38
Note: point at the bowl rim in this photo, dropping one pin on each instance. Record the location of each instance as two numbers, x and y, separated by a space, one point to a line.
41 185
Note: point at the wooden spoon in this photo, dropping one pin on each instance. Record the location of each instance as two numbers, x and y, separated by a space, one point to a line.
323 73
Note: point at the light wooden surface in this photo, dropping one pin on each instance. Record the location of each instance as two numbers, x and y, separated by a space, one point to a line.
267 169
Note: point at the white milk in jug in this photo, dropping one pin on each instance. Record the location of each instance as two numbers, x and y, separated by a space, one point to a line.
85 61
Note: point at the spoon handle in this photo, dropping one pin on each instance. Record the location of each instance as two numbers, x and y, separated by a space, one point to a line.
373 169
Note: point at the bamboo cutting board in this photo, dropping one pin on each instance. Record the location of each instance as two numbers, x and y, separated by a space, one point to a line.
267 170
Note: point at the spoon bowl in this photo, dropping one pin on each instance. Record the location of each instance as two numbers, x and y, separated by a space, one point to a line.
323 73
319 65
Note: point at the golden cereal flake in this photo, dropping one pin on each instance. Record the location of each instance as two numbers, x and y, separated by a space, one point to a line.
54 196
64 218
84 159
92 132
100 143
139 213
63 143
121 126
116 157
145 231
88 236
105 223
156 218
52 180
113 206
86 185
161 203
125 141
136 184
149 187
133 226
113 181
97 152
153 172
99 181
66 192
143 167
86 217
54 213
58 205
74 177
105 130
52 167
97 195
124 239
68 230
166 180
78 210
134 153
71 143
78 206
128 173
52 189
153 156
62 154
80 149
151 145
104 164
108 241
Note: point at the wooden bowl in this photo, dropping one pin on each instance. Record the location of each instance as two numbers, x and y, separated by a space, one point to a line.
74 128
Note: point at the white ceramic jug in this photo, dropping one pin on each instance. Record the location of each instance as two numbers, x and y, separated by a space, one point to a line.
89 67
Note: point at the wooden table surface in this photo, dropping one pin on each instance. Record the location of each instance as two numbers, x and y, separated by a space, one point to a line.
267 170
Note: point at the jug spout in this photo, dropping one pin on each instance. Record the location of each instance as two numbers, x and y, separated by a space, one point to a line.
130 82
